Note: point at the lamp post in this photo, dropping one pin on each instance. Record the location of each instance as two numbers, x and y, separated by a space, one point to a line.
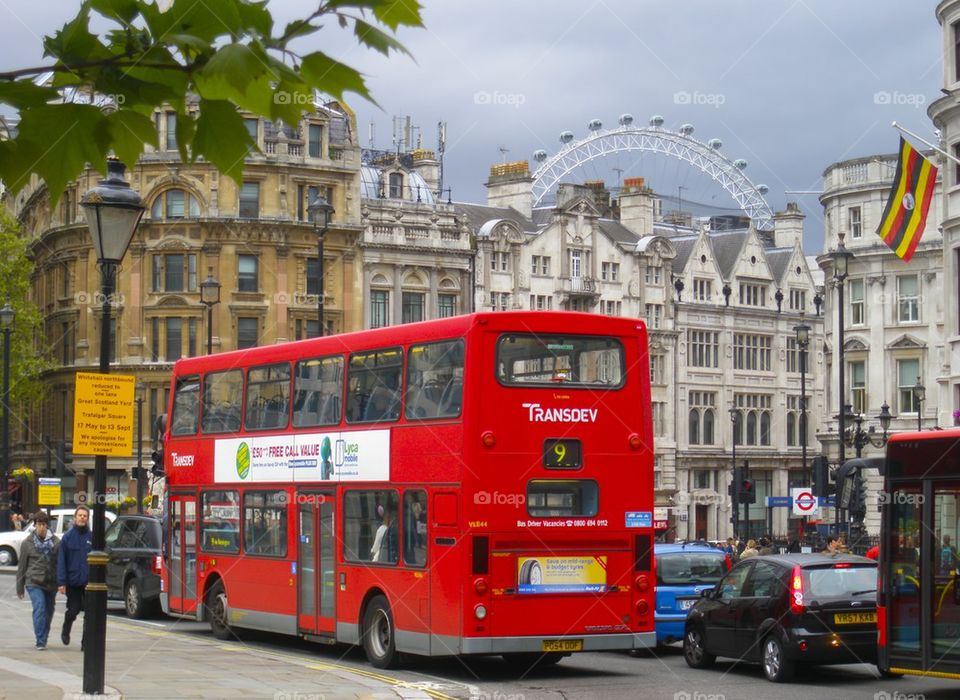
140 480
210 297
803 342
6 321
320 208
113 211
841 258
919 394
735 490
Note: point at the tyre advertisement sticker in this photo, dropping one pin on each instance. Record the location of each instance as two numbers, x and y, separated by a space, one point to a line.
561 574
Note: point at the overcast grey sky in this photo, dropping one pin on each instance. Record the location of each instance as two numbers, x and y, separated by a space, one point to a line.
790 85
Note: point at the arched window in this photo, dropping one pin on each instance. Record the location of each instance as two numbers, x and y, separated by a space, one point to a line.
708 427
751 428
396 185
765 428
694 426
791 429
175 204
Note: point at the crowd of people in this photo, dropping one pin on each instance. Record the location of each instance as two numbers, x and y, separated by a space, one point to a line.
48 566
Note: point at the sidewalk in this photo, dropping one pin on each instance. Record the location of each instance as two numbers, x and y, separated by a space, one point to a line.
146 661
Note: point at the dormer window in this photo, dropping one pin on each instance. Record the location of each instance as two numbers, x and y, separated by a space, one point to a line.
315 135
396 186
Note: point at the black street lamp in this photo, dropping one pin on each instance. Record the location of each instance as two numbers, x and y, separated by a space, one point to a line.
320 209
6 322
919 394
113 211
141 482
734 416
210 297
841 259
858 438
803 342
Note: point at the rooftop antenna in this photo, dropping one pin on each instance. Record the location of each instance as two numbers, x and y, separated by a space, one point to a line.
441 147
619 172
372 134
503 153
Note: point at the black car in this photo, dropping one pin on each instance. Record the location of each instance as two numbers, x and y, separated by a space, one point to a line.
786 609
133 570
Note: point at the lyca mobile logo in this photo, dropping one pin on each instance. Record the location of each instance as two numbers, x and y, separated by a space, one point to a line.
539 414
243 460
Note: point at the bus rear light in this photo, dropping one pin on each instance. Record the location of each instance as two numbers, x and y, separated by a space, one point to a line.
803 645
635 442
157 564
480 611
480 586
642 582
642 607
488 438
796 592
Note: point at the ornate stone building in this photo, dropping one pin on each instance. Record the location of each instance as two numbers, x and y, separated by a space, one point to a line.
721 305
254 237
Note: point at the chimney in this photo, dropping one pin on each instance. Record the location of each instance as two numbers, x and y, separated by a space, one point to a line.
788 227
636 206
510 185
427 166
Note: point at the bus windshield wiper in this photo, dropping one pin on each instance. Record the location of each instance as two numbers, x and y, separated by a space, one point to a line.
865 590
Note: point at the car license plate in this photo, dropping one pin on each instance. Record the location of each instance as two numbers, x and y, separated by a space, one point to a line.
856 618
687 604
562 645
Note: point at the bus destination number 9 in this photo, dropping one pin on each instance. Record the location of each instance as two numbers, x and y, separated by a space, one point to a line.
561 454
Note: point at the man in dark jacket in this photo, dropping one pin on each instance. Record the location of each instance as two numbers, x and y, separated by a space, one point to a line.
37 576
72 570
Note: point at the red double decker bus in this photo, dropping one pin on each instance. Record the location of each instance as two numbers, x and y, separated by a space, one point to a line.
919 588
474 485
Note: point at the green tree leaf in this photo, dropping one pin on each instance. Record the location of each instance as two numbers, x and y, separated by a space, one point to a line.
222 137
23 94
375 39
123 10
331 76
393 13
128 131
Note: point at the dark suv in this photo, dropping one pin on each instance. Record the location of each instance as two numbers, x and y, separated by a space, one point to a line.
783 609
133 570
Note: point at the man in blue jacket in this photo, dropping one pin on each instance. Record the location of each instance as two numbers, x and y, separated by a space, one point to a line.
72 569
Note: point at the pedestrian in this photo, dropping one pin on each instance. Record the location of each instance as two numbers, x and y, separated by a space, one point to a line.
833 546
72 570
750 550
37 576
766 546
794 546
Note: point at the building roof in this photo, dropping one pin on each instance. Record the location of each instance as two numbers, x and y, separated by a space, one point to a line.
726 247
684 246
478 214
778 259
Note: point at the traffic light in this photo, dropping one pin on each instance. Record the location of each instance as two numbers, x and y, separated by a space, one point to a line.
64 457
821 477
135 473
858 500
157 468
747 493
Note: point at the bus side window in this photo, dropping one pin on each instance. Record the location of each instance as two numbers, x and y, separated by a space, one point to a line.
415 528
186 406
222 398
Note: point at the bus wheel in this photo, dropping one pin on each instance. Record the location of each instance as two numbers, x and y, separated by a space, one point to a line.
217 612
379 634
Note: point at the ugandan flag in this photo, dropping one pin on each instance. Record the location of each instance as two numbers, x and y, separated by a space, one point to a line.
906 212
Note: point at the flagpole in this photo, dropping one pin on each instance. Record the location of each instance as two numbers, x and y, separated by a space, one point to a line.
924 141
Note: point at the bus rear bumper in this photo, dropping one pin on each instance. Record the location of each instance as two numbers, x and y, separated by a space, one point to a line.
590 642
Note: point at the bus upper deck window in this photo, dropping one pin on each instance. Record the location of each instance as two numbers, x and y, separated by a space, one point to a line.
594 361
186 406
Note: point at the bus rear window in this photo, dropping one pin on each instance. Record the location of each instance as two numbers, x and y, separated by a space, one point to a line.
562 498
524 359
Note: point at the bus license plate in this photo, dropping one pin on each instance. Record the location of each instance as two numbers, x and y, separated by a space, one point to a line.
562 645
857 618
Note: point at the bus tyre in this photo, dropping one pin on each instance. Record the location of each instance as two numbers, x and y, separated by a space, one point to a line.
133 600
217 612
379 634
